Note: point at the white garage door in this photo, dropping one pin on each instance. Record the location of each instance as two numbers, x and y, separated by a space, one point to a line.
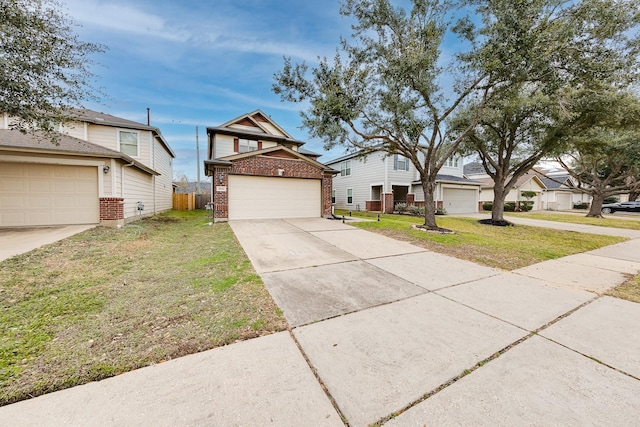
38 194
255 197
457 200
564 201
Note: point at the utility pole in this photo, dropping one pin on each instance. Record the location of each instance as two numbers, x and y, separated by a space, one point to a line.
198 191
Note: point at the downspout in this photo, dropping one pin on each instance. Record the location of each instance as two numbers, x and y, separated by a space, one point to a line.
122 184
385 185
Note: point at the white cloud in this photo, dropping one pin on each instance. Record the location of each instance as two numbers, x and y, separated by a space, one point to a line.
123 18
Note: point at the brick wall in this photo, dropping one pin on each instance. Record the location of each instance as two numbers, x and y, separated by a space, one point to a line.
111 210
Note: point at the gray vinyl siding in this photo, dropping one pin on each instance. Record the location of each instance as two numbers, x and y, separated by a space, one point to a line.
364 173
371 172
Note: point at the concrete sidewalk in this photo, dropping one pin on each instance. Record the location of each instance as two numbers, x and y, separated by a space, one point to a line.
383 331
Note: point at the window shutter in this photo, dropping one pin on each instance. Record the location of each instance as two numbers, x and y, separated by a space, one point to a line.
236 145
259 145
395 162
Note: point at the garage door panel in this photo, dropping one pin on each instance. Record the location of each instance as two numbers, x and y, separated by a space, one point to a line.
41 194
252 197
457 200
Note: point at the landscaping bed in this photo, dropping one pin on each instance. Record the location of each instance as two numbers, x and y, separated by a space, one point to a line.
111 300
630 224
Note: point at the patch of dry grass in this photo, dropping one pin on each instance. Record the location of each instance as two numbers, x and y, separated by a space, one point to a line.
629 290
111 300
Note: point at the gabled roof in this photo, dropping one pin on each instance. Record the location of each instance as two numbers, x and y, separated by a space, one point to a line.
228 160
94 117
489 183
14 140
255 119
473 168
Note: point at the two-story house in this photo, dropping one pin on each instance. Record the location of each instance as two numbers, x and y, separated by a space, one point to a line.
259 171
101 169
379 181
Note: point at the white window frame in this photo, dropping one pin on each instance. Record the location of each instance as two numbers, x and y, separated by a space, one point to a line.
135 132
349 195
345 168
398 160
452 162
247 145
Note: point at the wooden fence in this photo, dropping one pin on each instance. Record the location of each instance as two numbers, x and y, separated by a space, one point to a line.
190 201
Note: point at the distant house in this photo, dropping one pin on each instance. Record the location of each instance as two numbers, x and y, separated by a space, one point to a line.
561 193
379 181
259 171
101 170
528 182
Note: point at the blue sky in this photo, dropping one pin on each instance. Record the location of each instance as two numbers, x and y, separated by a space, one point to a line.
203 62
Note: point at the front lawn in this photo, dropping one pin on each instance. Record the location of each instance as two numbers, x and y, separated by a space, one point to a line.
111 300
629 224
508 248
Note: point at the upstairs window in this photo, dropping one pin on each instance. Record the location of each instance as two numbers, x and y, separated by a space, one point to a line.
400 163
246 145
129 143
345 168
451 162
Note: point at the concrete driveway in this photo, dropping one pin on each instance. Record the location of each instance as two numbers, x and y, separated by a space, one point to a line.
16 241
383 331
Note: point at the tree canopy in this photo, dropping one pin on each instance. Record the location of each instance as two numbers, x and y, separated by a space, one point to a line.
389 88
572 58
519 67
604 160
44 66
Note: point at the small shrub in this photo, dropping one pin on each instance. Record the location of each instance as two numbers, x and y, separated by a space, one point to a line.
415 210
510 207
610 199
401 208
526 206
581 205
441 211
487 206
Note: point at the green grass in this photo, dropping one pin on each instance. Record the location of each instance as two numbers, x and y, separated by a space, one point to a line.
111 300
581 219
508 248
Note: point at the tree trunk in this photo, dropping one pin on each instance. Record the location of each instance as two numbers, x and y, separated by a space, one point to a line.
596 205
499 196
633 196
428 189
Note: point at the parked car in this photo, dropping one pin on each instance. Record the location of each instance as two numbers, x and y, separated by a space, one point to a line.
621 207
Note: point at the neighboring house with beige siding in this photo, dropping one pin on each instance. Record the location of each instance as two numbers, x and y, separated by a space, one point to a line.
379 181
102 169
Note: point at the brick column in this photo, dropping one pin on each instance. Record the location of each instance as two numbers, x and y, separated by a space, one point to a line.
410 199
112 211
388 205
220 194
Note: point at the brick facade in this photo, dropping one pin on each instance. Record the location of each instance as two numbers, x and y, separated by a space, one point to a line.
269 166
112 211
